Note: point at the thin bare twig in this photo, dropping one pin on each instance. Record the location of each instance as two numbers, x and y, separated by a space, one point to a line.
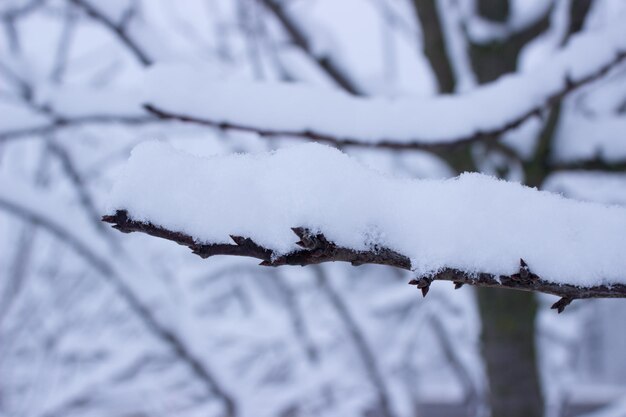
60 122
300 39
118 29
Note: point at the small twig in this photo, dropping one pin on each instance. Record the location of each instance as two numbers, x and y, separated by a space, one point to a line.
60 122
561 304
119 30
299 38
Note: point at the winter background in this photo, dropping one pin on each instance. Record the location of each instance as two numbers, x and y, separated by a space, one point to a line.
97 323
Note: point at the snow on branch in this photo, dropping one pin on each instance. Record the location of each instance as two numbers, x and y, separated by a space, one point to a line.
284 109
311 204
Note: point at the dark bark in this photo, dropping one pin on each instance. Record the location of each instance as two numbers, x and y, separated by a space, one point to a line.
316 249
494 10
509 351
434 43
578 12
494 59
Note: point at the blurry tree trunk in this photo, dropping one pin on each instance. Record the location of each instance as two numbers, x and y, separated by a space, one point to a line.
493 59
508 318
508 339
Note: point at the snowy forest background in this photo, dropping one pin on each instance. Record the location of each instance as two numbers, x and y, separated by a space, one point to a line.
96 323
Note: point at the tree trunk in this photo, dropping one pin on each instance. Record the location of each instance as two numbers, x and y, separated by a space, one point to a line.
434 43
508 338
508 317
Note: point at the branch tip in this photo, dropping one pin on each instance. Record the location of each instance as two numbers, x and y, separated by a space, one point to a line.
524 271
560 305
239 240
424 282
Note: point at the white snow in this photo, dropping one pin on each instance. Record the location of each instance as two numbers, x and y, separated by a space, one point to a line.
77 101
601 187
580 138
474 223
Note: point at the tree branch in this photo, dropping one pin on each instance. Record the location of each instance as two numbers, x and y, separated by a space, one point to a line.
595 164
301 41
118 30
486 135
317 249
60 122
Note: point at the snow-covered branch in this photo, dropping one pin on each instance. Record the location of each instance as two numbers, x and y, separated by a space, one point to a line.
470 230
288 110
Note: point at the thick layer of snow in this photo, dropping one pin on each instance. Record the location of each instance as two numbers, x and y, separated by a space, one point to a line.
474 223
289 107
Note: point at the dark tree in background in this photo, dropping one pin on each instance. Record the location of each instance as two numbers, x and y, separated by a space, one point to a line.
508 317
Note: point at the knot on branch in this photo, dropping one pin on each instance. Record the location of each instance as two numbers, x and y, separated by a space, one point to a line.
311 241
119 220
524 275
251 248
